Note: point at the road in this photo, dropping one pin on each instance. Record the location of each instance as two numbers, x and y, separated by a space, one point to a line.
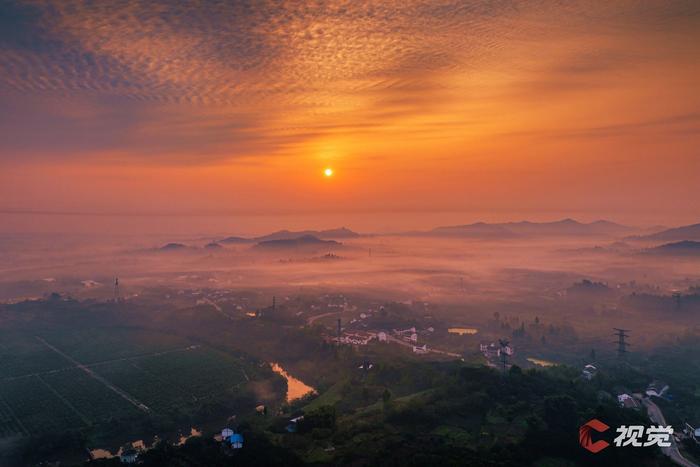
311 319
657 417
408 344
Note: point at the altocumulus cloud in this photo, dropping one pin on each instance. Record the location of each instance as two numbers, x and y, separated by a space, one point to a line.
196 82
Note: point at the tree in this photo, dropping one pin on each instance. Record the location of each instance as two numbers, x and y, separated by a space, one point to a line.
561 417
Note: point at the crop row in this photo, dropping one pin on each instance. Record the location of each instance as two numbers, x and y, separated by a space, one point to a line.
39 410
90 397
100 344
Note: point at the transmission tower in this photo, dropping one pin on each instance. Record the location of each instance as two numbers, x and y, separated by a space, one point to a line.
116 289
622 344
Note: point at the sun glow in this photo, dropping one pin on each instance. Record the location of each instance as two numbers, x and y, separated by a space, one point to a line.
328 172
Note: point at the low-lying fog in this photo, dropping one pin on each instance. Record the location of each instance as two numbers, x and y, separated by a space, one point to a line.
471 277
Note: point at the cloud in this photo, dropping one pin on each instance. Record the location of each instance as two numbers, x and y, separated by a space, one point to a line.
199 82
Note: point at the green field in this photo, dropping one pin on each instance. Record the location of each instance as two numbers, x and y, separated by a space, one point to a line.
176 379
136 374
22 354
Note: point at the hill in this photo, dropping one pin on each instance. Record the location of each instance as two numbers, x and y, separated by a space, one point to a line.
686 232
173 247
684 247
341 232
305 241
564 227
420 414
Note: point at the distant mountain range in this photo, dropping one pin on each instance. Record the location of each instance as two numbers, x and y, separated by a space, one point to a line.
686 232
483 230
526 228
682 248
338 233
305 241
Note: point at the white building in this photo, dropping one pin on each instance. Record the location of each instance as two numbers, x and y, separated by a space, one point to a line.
626 401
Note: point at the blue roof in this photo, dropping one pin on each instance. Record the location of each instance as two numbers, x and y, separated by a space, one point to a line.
236 438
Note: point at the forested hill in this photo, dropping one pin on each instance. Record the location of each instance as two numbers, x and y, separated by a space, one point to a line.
459 415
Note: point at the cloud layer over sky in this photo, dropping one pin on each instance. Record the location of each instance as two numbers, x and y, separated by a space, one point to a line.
437 101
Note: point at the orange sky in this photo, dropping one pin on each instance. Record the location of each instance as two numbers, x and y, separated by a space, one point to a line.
491 111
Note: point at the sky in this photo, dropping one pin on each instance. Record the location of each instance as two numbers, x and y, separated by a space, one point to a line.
427 112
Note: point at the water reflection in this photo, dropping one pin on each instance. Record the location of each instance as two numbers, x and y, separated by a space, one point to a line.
295 387
540 362
463 331
141 446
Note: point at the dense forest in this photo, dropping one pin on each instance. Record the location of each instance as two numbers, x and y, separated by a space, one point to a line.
452 414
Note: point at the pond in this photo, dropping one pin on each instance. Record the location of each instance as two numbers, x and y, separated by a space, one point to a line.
295 387
463 331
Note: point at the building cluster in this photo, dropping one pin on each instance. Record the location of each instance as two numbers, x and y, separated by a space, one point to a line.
356 338
229 439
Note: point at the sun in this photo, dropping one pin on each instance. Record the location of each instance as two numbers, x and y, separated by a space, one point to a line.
328 172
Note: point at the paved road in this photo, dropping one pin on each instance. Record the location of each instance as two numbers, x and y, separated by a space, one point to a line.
408 344
311 319
657 417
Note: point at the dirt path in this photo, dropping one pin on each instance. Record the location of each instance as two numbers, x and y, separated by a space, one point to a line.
133 401
103 362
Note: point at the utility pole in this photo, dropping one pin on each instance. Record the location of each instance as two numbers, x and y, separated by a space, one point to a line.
622 344
503 354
